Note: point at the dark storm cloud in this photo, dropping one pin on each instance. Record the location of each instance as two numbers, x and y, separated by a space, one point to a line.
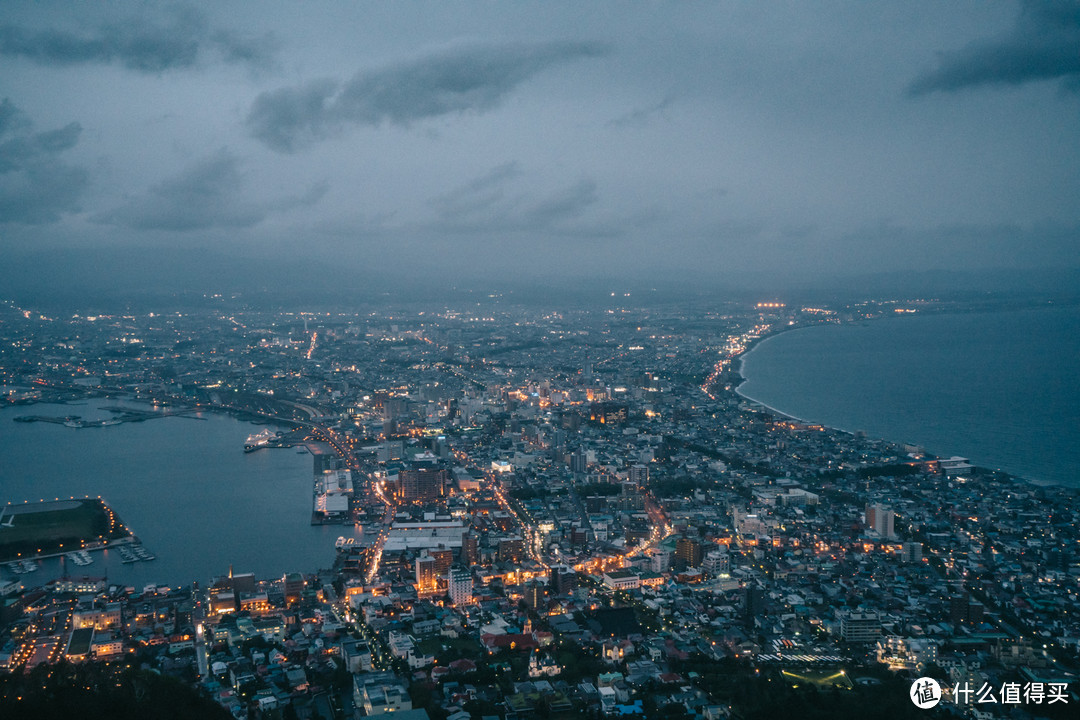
475 77
258 52
138 44
19 151
288 118
477 195
490 204
10 117
1044 45
36 186
209 194
563 205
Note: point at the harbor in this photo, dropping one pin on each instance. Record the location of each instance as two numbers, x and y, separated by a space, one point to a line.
267 438
22 567
258 519
133 553
79 557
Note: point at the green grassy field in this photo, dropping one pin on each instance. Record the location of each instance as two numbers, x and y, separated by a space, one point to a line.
54 527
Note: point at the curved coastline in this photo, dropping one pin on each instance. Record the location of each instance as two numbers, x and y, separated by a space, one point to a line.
742 378
738 389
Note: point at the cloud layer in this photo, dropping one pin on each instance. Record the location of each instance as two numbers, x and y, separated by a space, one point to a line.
490 204
1044 45
208 194
36 185
139 44
471 78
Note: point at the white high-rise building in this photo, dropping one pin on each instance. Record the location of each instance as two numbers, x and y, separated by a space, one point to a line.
880 519
460 586
717 562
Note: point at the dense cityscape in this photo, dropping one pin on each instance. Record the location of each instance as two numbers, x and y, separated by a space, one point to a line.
539 360
544 513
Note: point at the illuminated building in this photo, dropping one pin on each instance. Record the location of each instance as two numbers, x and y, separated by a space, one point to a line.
622 580
470 548
562 580
511 550
425 574
689 552
716 562
380 694
906 653
84 585
98 618
534 594
444 558
963 610
955 465
542 666
333 491
911 552
226 593
421 483
293 587
608 413
460 586
858 627
254 603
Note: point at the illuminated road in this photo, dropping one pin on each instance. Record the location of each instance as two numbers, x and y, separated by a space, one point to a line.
387 522
527 530
734 347
200 652
341 446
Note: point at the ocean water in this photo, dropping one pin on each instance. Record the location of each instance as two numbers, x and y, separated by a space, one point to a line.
184 486
1001 388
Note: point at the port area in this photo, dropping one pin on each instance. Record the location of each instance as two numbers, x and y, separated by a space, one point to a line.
333 500
120 415
280 439
56 527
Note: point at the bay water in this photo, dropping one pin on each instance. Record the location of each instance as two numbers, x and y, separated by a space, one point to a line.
183 484
1001 388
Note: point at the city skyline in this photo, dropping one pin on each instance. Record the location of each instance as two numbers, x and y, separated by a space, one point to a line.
579 512
539 359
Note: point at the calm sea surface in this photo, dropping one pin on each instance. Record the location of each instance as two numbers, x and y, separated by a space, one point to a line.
183 485
1001 388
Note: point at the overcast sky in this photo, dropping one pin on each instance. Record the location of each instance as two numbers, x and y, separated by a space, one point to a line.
546 139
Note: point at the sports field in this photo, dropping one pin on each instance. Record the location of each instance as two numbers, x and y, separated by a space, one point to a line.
819 678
